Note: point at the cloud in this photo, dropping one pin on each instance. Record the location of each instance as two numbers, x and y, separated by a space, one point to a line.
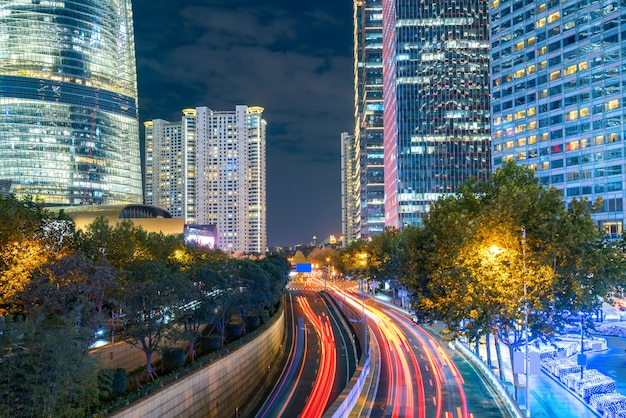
293 59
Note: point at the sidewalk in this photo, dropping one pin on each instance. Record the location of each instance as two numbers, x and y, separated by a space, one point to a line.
548 396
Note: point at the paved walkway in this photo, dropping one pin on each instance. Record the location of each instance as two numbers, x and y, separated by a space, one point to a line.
548 397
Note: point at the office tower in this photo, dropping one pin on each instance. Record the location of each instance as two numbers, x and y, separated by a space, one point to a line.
558 97
435 102
349 189
209 169
69 130
368 106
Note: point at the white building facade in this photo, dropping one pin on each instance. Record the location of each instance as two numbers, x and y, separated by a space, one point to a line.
209 169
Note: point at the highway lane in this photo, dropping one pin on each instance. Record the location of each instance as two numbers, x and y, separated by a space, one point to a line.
321 357
418 377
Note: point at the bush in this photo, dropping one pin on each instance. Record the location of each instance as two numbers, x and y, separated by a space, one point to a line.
233 331
111 383
209 343
172 359
119 381
265 316
253 322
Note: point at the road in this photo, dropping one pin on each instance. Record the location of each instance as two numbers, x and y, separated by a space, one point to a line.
418 376
322 357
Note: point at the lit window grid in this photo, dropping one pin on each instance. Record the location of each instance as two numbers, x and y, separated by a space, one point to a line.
91 43
68 85
436 104
367 187
564 117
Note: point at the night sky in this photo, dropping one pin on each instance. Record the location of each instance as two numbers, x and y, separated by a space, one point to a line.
294 58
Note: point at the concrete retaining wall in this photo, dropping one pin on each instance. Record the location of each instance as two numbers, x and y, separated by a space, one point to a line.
219 389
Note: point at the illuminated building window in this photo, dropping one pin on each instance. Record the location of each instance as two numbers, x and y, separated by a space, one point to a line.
520 128
521 156
530 41
544 165
612 137
571 146
508 158
532 139
612 105
543 137
542 51
521 142
497 134
541 22
583 66
555 75
570 70
543 93
598 140
520 73
530 69
496 121
520 115
532 167
573 115
554 17
543 65
532 125
584 112
518 46
509 117
584 143
498 147
531 111
508 145
495 3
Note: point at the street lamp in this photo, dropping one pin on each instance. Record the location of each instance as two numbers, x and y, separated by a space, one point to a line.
526 322
326 271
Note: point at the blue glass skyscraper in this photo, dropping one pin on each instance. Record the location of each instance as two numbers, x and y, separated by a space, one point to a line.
69 127
557 83
435 59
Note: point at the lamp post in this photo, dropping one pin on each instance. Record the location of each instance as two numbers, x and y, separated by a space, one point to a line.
527 360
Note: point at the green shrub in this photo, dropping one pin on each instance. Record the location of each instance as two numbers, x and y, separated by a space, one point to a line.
233 331
209 343
119 381
172 358
253 322
265 316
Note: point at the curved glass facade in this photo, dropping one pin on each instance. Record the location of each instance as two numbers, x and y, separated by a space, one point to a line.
69 126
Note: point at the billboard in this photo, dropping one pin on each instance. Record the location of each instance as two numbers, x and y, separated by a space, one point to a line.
303 267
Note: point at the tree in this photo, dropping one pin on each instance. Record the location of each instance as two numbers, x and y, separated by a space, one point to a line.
44 368
30 236
504 251
148 296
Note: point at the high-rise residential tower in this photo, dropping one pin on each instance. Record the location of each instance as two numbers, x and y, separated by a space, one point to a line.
209 169
435 68
69 130
368 134
350 192
559 97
